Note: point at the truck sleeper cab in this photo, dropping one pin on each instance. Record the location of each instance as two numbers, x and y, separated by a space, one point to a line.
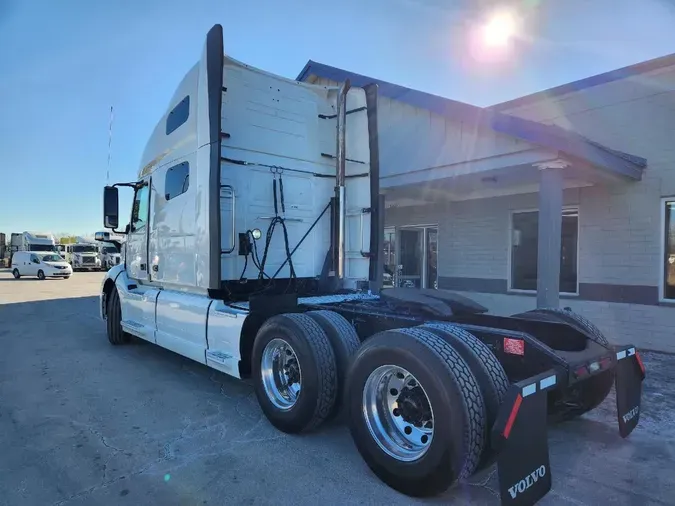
254 247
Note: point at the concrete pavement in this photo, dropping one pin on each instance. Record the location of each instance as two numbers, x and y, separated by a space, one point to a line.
86 423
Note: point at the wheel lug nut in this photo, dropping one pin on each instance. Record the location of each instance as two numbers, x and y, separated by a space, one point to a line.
424 439
408 429
396 412
393 392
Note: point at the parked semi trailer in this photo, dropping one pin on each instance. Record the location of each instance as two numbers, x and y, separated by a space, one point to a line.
434 387
31 241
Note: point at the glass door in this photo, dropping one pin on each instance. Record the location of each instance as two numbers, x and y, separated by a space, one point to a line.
390 265
411 257
431 258
411 247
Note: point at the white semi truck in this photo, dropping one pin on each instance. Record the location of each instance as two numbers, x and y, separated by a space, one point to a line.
255 247
109 252
83 255
32 241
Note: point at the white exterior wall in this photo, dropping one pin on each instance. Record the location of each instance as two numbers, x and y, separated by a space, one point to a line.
620 229
621 232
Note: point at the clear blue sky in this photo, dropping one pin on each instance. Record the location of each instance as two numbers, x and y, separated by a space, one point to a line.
63 63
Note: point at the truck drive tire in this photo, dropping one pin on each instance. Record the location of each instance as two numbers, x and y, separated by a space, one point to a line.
415 411
584 396
116 334
294 372
489 373
345 342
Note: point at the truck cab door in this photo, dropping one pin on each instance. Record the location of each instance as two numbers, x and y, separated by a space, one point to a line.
137 239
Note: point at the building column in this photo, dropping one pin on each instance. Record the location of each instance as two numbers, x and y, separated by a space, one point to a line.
550 231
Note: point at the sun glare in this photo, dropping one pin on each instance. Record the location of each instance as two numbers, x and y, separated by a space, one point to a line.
499 29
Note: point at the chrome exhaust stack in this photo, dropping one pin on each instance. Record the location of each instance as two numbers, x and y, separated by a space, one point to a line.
341 158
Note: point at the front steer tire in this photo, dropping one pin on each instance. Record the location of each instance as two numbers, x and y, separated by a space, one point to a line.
116 334
456 403
318 370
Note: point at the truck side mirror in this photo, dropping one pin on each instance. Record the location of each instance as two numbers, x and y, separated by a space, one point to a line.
110 207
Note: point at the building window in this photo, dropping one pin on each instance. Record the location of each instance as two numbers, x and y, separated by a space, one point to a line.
524 248
178 115
669 249
177 180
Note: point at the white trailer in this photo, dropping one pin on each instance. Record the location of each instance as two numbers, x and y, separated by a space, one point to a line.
32 241
296 308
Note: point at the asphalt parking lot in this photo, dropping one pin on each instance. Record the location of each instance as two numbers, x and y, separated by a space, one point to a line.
85 423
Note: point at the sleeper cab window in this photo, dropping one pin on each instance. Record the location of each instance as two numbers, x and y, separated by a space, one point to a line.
178 115
177 180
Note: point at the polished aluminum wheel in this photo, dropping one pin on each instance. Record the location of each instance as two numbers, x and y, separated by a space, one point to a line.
398 413
281 374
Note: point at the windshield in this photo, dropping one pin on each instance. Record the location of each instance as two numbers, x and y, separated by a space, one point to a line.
84 249
110 249
52 258
41 247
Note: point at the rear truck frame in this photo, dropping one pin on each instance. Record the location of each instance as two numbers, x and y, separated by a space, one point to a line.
433 387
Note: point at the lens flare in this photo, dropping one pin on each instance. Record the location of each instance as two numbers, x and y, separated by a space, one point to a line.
499 29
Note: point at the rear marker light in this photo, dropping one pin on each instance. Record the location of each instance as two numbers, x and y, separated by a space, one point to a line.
514 346
547 382
512 416
529 389
639 361
581 371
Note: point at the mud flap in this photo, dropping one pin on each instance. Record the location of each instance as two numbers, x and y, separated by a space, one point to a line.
629 375
520 437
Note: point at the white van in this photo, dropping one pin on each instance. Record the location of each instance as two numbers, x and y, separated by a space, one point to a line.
42 264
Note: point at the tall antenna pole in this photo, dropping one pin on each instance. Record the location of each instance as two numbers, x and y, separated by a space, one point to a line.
107 175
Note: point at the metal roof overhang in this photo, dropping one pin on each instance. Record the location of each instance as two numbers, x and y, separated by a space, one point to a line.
582 153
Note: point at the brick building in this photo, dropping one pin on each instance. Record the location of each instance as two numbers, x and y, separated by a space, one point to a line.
566 196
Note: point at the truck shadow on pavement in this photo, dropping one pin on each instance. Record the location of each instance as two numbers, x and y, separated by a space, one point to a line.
85 422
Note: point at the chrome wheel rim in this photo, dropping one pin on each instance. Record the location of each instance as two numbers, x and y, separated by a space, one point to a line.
398 413
281 374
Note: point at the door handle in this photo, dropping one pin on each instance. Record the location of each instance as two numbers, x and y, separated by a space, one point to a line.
155 268
143 267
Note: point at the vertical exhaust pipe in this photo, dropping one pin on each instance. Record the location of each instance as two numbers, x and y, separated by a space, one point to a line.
341 159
